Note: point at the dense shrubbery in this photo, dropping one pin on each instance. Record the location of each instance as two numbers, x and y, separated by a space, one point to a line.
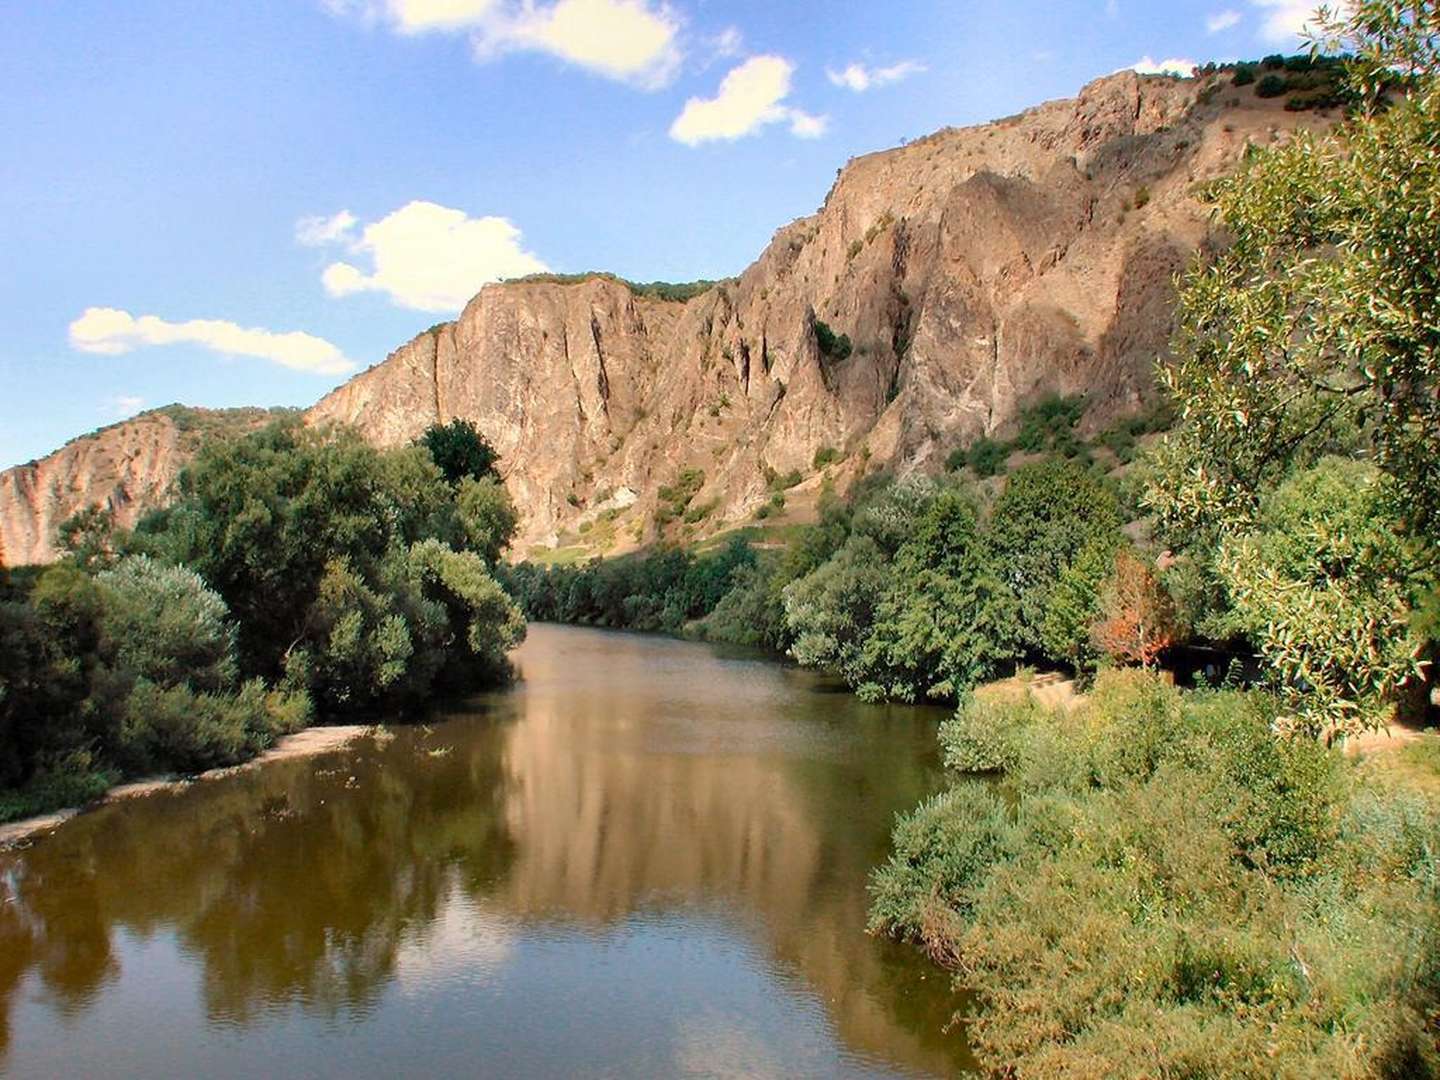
295 573
1159 886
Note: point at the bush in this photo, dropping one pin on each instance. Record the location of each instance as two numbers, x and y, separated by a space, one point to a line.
984 735
835 347
1271 86
943 851
1244 75
1175 892
986 456
178 728
826 455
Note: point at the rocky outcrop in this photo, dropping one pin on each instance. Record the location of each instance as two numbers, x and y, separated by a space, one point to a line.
126 468
971 270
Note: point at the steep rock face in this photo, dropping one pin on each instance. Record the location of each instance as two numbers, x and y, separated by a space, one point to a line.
126 468
972 271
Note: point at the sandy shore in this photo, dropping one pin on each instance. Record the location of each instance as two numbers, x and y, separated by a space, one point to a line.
307 743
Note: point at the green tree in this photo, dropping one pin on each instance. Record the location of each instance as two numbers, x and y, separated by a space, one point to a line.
947 620
1324 584
460 451
1318 329
1047 515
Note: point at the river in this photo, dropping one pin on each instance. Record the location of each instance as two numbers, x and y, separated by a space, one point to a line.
647 858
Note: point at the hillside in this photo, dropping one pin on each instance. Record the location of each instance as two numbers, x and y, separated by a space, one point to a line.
941 286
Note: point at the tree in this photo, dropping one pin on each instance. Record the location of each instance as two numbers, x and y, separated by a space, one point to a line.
460 451
1047 514
1075 603
947 620
1318 330
487 516
1324 584
1137 617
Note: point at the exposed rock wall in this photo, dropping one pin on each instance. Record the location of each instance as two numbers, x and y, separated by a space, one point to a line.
972 270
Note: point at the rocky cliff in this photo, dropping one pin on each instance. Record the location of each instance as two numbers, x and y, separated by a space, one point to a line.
971 271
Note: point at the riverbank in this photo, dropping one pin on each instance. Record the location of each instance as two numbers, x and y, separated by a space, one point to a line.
310 742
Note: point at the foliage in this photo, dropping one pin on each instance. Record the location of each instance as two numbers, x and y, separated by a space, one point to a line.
1048 424
1160 886
1137 617
1323 584
1075 603
1048 513
831 345
947 620
984 735
1315 332
296 571
460 451
675 498
672 291
826 455
486 515
1271 86
662 590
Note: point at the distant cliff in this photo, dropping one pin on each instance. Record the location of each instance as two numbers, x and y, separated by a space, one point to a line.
941 286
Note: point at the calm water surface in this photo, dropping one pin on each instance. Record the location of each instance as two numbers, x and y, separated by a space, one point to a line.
647 859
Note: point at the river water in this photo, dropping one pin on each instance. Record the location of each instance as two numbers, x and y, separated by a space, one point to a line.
648 858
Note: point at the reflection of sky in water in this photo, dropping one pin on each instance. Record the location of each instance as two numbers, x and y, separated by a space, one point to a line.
645 861
662 995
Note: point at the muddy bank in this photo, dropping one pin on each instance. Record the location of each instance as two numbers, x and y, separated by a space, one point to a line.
307 743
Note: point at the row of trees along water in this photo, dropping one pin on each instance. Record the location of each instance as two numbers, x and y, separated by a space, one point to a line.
296 575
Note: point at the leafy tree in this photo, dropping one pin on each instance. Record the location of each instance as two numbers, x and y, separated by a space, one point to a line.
1075 603
947 620
1324 584
1047 514
487 516
88 537
324 549
164 624
1137 617
1318 329
829 611
460 451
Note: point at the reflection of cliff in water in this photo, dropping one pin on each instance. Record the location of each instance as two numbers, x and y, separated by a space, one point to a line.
625 775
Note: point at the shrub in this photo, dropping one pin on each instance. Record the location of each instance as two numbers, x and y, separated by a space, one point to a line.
986 456
1271 86
984 735
835 347
1244 75
943 850
826 455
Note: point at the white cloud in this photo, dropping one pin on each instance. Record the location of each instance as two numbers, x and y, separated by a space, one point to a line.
751 96
1222 21
1285 21
110 331
633 41
1172 66
432 258
859 78
418 16
319 231
626 40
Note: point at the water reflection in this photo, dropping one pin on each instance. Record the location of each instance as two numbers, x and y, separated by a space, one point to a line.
656 850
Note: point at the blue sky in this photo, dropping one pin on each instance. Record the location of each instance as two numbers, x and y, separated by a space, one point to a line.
241 203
